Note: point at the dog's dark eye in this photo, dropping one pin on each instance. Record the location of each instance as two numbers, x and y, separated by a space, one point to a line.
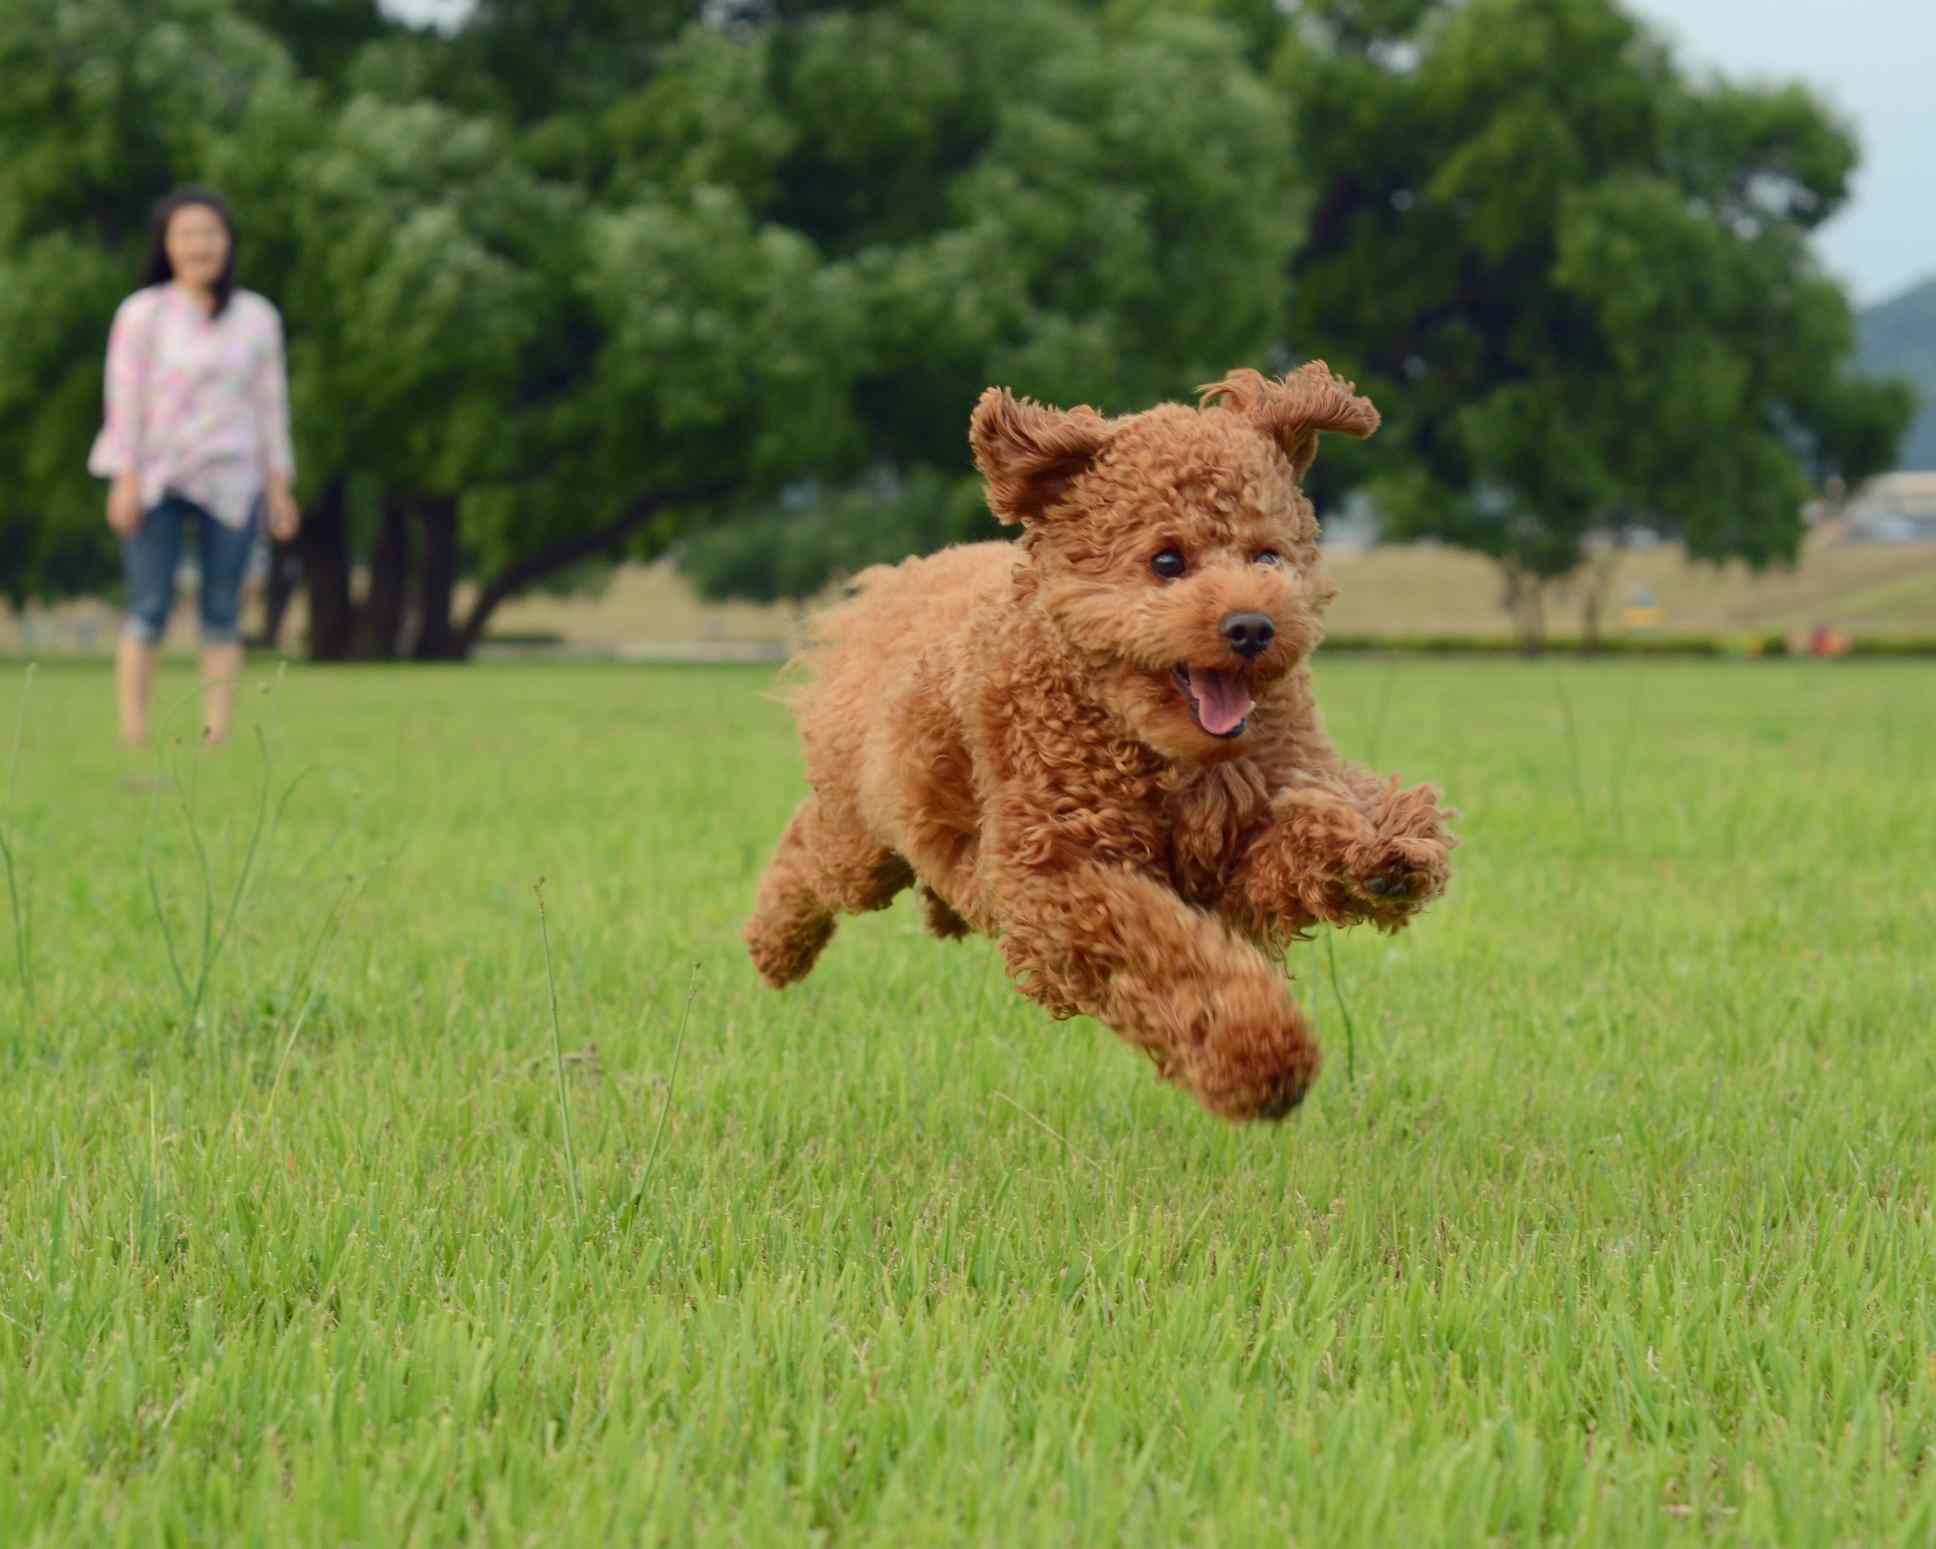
1168 564
1269 557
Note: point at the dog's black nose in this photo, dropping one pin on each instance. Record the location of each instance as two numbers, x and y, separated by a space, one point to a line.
1248 633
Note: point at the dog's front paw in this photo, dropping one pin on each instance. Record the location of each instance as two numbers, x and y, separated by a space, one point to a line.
1397 878
1407 860
1256 1061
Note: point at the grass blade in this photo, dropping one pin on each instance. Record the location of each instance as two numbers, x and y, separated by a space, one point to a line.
1344 1010
558 1057
1572 743
665 1108
22 942
309 995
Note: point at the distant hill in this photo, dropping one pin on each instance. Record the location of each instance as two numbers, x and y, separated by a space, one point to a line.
1900 335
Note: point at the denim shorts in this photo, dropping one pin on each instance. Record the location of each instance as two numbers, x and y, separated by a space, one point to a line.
152 555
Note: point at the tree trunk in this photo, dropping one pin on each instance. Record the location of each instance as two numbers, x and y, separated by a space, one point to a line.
1594 591
323 544
379 630
1526 602
569 551
437 638
1590 606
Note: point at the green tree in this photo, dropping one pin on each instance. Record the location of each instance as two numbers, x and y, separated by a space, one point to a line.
1092 206
322 37
413 255
1578 282
491 369
787 550
107 104
550 304
528 62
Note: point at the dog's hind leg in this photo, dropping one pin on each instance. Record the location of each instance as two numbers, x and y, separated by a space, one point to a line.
827 864
941 917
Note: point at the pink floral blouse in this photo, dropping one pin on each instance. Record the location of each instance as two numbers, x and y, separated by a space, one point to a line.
196 405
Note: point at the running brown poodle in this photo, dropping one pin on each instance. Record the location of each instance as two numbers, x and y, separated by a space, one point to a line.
1100 744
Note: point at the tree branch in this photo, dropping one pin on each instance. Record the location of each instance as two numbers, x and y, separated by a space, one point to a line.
570 550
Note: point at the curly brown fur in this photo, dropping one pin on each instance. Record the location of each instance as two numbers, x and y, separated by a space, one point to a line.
1119 775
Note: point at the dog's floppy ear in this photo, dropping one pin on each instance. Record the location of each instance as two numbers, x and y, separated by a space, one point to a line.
1293 412
1029 453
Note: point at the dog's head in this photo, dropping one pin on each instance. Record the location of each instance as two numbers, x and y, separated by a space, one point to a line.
1173 550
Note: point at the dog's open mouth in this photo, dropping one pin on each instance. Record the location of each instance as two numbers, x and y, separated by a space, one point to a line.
1219 698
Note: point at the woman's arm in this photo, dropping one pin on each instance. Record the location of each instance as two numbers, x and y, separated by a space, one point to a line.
269 393
117 450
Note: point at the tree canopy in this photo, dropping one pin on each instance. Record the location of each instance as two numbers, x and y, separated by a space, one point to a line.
1578 280
582 280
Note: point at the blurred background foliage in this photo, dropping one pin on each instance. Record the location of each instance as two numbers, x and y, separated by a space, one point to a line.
578 280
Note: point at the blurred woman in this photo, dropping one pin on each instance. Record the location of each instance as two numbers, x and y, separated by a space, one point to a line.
196 435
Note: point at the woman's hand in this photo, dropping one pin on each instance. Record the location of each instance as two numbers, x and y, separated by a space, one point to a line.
284 516
124 504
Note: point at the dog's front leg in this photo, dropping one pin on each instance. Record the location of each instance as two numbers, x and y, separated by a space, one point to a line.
1336 854
1213 1013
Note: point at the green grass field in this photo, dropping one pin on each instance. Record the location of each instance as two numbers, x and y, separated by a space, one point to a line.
1622 1232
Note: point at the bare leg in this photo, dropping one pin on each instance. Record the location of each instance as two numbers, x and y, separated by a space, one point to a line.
827 864
221 671
1210 1010
134 682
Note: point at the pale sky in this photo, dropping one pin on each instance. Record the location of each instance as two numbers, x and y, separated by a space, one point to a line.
1874 61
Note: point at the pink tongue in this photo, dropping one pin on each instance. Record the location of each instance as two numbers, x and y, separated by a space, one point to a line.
1222 700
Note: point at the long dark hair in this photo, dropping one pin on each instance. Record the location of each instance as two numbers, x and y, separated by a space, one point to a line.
158 270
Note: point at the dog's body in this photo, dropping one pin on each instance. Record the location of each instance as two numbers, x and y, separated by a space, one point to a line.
1118 770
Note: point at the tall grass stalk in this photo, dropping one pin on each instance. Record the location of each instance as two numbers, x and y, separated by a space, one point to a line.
558 1057
1385 686
22 941
1344 1010
162 776
1572 744
212 952
1623 748
215 942
665 1108
310 981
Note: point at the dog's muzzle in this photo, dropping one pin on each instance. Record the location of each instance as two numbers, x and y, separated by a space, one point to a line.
1248 634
